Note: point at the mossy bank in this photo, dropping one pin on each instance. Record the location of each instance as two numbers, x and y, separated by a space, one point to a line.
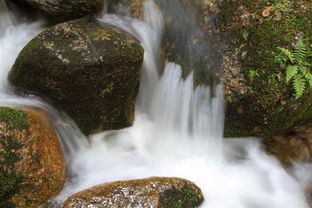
254 30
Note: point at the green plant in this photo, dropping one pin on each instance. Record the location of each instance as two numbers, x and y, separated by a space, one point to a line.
298 68
10 178
252 74
245 35
280 7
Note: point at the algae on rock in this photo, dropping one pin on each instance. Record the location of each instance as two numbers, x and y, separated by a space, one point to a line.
155 192
268 105
88 69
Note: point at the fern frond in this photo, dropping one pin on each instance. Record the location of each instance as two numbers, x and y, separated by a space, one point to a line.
288 54
299 86
300 52
291 71
308 77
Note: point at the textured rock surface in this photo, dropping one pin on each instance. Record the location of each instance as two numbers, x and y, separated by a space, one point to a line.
67 9
146 193
32 167
293 146
90 70
259 101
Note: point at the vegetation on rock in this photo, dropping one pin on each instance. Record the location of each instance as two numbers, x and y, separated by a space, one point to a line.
150 192
254 30
31 162
298 69
88 69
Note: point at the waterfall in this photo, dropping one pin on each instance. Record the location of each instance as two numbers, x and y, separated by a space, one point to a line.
6 17
177 131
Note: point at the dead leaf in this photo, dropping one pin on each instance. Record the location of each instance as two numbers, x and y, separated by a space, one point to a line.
267 11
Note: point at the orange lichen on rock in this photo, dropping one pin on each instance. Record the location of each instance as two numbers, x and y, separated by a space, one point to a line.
41 163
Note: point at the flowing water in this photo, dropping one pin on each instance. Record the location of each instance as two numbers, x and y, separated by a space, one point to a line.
177 131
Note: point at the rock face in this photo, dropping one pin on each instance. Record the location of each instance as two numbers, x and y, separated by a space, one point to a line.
67 10
32 167
292 146
260 102
146 193
90 70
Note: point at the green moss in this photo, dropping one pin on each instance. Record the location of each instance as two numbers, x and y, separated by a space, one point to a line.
10 179
13 117
269 99
103 34
175 198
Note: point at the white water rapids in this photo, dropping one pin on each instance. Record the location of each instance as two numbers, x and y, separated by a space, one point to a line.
177 132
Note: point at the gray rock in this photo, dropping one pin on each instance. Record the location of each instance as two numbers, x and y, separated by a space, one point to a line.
146 193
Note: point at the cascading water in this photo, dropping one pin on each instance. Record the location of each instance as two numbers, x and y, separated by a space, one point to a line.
177 132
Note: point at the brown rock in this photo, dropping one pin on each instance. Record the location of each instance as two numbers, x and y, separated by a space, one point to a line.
151 192
293 146
31 159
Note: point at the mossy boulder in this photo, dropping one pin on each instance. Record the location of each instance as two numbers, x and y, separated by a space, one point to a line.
151 192
67 10
259 101
88 69
32 166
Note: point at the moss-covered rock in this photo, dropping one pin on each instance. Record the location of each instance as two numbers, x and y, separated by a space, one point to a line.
151 192
88 69
32 167
67 10
261 103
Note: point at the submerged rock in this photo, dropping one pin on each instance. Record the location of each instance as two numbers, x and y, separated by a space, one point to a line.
90 70
67 10
146 193
32 167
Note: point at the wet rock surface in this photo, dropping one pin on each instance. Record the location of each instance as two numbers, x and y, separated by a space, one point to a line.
293 146
88 69
67 10
32 167
145 193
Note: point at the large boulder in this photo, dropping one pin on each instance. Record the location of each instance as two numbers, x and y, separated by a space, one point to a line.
32 166
88 69
259 100
146 193
67 10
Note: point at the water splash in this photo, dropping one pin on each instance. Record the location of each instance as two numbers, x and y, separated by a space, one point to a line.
177 132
